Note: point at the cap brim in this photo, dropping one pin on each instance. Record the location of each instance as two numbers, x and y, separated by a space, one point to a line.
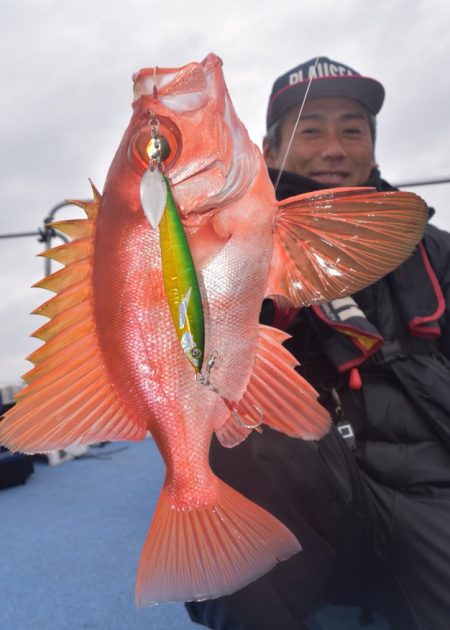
367 91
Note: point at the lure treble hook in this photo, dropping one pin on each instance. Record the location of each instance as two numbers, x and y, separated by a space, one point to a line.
239 415
203 378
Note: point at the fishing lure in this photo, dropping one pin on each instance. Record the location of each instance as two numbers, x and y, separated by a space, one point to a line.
179 276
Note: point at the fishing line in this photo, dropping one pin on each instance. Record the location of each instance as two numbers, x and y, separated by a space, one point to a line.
296 125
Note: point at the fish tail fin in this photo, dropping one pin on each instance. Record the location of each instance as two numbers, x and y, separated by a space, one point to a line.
209 551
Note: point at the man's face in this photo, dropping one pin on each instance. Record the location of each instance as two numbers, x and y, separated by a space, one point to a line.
332 143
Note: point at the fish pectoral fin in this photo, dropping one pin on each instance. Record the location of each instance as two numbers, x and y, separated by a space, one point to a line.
69 398
180 563
277 395
206 243
331 243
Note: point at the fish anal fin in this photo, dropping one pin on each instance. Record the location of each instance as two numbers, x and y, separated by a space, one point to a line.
209 551
331 243
277 394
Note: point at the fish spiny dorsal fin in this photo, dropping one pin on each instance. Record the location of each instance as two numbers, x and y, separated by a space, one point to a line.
75 228
81 231
66 277
61 321
90 207
70 252
72 295
72 283
69 397
97 195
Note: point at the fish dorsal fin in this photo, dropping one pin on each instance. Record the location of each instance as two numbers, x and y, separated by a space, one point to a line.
278 394
331 243
68 397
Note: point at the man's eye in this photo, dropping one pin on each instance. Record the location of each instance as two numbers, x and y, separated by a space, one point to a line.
352 131
309 130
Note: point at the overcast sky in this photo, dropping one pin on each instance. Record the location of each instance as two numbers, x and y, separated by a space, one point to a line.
66 95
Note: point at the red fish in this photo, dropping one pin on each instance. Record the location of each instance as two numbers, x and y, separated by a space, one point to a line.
154 325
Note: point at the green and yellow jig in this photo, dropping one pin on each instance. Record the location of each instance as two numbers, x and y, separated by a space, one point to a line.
179 276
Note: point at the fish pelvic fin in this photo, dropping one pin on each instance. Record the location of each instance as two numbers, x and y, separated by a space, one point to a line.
68 397
206 552
331 243
276 395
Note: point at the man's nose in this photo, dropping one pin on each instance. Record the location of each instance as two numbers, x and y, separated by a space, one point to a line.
333 147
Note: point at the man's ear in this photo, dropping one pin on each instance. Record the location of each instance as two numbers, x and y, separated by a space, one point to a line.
269 154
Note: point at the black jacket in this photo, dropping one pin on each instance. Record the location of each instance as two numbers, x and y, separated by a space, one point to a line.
373 522
406 453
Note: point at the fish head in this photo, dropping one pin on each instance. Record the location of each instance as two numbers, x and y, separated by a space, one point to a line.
209 159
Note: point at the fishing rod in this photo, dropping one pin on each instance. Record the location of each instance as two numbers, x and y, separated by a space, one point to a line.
424 182
19 234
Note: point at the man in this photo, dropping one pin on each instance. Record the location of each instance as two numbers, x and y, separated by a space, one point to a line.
370 502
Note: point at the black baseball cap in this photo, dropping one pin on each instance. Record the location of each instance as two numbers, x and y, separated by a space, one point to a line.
330 78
